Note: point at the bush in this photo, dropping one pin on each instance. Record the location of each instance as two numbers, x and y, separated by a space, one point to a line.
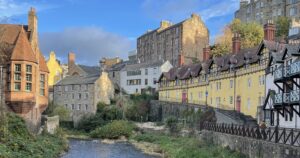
89 123
114 130
62 112
101 106
112 113
172 124
20 143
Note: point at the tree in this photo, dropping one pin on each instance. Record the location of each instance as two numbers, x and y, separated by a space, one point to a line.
251 35
282 26
223 43
62 112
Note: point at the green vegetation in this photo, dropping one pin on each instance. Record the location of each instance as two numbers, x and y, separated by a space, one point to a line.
251 35
282 26
114 130
18 142
182 147
59 110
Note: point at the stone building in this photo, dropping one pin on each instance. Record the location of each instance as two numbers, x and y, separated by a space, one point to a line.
187 38
109 62
261 11
26 90
83 89
81 94
136 78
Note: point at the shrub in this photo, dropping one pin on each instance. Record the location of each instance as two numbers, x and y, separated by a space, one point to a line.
113 130
101 106
172 124
112 113
89 123
62 112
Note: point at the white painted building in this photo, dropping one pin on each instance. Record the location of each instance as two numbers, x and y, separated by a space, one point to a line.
136 78
283 88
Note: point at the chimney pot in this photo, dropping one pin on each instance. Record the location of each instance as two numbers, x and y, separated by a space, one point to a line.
180 60
206 53
269 31
236 43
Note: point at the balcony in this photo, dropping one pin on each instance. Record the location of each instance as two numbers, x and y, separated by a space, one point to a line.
278 74
288 71
287 98
295 68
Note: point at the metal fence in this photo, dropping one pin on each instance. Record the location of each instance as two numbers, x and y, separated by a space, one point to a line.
285 136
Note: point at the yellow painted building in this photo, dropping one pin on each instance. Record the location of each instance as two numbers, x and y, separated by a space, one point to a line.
55 69
234 81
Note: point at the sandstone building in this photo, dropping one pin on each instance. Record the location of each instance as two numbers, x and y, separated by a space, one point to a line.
167 42
261 11
56 72
26 90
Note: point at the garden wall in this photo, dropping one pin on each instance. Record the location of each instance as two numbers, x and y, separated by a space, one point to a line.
252 147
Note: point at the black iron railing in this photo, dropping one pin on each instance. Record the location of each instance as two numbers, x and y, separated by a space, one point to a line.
286 136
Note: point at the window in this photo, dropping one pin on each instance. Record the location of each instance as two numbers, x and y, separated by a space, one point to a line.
293 11
28 69
66 88
86 96
249 82
42 85
73 96
86 107
231 99
17 67
113 74
79 96
17 86
8 86
17 76
146 71
146 81
28 87
248 104
231 84
134 73
73 107
134 82
136 90
154 80
191 96
79 106
28 77
154 70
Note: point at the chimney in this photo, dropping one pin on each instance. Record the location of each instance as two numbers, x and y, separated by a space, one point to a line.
33 28
206 53
180 60
269 31
165 24
71 59
236 43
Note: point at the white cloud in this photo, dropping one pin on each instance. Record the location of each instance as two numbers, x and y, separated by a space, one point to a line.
222 8
12 8
89 44
174 9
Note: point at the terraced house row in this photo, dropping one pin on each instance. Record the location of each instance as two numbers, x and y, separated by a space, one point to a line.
235 81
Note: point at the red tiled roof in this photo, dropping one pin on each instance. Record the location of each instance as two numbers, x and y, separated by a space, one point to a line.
23 50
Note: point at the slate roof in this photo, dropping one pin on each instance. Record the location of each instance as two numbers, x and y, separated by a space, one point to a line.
75 80
245 56
90 70
142 65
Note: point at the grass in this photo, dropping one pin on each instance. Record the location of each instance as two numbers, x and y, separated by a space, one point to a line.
183 147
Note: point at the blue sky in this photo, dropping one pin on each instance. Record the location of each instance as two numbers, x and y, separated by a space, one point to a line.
108 28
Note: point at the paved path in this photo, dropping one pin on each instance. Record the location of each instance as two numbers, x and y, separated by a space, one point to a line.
221 118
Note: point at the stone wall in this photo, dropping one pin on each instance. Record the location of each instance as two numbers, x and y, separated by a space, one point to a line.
252 147
160 110
50 123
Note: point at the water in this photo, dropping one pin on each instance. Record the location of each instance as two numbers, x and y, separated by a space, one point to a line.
96 149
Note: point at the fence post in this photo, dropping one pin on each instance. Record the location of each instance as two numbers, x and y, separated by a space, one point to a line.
276 134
